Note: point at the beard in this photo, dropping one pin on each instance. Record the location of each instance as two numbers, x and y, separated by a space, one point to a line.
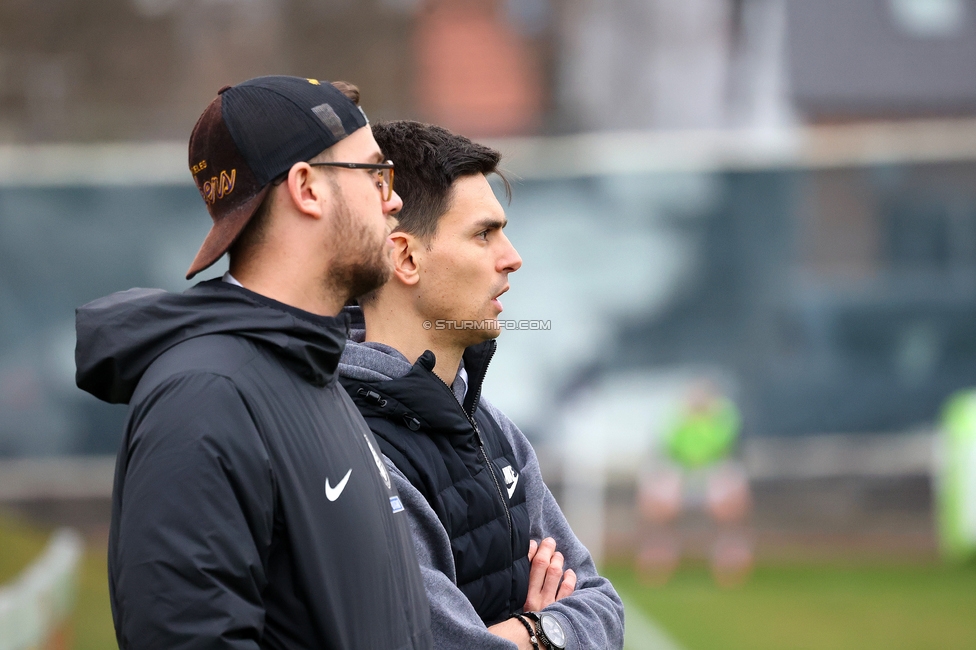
363 262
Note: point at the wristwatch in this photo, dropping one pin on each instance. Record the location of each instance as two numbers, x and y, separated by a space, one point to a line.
549 631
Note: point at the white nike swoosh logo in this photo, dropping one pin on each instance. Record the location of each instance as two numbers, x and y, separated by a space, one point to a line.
511 490
332 493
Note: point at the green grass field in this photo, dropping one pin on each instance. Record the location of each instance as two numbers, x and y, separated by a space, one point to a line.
822 607
781 607
92 620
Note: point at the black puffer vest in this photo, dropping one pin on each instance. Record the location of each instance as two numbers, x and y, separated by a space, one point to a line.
460 460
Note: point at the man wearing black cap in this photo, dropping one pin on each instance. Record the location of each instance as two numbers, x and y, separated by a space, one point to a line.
251 508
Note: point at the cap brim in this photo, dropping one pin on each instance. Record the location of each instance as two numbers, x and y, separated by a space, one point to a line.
225 231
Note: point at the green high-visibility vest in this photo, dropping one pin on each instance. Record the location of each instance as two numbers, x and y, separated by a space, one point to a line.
701 438
956 484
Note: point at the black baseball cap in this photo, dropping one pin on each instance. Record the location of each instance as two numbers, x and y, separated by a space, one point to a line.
251 134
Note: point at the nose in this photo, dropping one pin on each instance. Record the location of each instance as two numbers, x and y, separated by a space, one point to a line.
509 261
394 205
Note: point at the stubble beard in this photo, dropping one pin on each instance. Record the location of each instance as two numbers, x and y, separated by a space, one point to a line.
363 262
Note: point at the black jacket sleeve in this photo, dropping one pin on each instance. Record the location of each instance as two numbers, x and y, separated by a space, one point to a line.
195 519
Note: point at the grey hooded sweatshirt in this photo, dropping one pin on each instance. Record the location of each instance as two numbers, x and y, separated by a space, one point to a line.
592 617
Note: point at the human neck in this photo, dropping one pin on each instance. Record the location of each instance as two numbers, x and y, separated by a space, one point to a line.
285 284
404 331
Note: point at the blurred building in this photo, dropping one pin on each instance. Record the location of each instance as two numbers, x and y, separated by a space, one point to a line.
141 69
882 60
77 70
478 69
639 64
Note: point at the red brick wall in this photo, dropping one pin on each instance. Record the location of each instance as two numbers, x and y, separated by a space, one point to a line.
475 73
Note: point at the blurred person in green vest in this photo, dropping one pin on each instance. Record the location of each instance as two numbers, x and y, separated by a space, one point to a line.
697 473
706 429
956 478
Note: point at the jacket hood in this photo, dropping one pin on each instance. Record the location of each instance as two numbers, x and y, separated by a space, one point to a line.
374 363
119 336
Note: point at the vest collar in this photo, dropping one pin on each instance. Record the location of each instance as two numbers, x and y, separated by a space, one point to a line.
421 399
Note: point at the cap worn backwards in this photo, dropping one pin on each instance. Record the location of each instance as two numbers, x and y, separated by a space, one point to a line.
252 133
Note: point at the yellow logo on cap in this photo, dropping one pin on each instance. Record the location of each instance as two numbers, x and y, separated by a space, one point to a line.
199 167
314 82
219 186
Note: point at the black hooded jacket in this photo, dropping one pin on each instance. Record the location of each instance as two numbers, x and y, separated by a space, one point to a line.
251 508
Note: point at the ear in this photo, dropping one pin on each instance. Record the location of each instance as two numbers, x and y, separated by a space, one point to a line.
306 190
406 256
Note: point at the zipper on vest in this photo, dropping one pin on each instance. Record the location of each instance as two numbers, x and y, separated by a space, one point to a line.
481 446
484 454
477 395
498 487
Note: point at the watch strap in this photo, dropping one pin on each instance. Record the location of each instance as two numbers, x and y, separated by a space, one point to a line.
530 628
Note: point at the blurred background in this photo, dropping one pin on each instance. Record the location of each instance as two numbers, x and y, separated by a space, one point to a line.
772 199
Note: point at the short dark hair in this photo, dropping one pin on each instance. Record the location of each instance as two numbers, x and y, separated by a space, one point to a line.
254 232
427 161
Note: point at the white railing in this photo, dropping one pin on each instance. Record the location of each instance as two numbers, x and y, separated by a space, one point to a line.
35 607
545 157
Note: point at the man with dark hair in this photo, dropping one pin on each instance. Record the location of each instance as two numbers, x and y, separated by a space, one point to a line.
251 508
500 563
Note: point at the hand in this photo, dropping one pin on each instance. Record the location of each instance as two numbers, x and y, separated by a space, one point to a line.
547 581
512 630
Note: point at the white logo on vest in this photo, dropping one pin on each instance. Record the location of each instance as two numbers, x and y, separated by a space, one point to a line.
511 479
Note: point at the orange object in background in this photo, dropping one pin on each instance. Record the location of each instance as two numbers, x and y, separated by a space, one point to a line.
475 73
60 639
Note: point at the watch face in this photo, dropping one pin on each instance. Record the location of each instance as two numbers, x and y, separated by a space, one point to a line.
553 631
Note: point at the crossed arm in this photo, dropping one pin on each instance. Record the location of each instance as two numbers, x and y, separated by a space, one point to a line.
547 584
592 615
584 603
